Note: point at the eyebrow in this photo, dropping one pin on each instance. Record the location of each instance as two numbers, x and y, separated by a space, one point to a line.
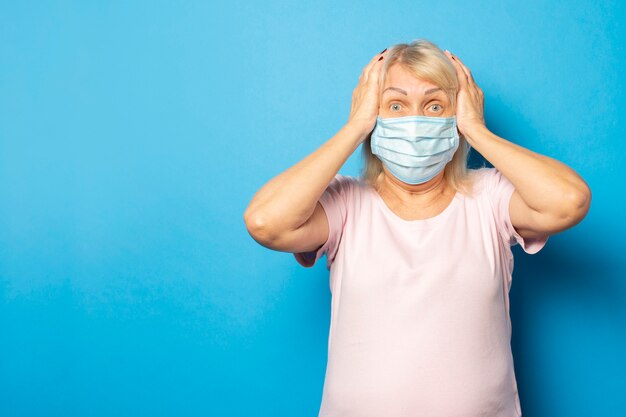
427 92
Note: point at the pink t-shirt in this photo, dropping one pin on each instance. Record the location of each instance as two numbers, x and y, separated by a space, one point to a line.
420 323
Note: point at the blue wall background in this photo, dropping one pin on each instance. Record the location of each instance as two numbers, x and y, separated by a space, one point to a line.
133 136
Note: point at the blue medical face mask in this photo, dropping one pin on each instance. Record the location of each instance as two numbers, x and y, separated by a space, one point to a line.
415 148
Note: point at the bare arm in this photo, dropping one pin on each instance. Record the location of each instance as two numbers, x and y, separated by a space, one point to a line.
288 200
549 196
285 213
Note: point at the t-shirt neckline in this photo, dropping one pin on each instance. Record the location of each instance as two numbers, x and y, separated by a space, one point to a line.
419 223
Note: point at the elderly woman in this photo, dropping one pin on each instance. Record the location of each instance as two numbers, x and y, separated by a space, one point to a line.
418 247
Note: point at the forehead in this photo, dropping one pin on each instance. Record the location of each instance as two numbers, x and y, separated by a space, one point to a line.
398 76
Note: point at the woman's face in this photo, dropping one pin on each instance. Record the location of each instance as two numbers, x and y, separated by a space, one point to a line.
406 95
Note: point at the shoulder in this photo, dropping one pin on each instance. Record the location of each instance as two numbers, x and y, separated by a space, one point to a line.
344 191
346 179
347 183
483 174
488 180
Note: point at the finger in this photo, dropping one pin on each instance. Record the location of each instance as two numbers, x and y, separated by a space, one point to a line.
368 68
466 70
374 73
463 81
463 68
470 76
374 70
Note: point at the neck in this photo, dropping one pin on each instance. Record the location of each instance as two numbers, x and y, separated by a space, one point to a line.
424 195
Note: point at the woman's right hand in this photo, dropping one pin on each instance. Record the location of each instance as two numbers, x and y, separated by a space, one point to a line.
365 97
285 214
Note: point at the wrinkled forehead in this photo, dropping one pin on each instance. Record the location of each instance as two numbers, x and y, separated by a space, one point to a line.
399 79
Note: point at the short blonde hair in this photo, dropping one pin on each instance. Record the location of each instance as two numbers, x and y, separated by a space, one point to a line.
427 62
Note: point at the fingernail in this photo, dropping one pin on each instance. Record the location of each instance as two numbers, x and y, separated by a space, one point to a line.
384 50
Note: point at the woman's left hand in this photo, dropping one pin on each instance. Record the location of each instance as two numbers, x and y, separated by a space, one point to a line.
470 98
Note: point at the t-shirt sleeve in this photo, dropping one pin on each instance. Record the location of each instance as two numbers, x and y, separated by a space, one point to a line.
334 201
500 190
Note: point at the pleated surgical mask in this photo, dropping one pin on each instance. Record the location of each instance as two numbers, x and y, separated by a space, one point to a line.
415 148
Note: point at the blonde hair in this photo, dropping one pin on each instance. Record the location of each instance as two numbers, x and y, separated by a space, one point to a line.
426 61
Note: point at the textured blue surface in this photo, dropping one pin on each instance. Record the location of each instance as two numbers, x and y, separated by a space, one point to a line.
129 285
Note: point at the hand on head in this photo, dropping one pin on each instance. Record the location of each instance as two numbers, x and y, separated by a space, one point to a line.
470 98
365 101
365 97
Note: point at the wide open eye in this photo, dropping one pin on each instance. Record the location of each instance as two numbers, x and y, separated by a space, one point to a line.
436 108
396 107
